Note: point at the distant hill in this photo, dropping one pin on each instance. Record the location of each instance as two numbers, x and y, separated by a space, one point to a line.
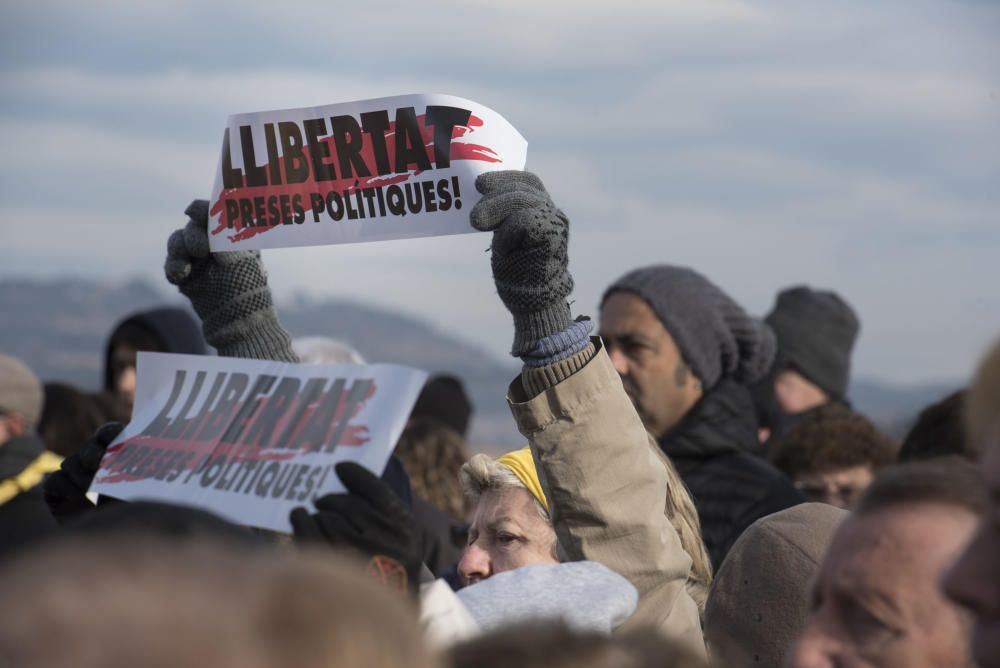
59 329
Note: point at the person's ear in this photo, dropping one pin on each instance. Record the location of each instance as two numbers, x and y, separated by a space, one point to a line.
14 423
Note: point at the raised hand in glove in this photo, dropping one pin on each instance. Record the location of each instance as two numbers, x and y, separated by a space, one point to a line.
66 489
370 519
228 292
530 262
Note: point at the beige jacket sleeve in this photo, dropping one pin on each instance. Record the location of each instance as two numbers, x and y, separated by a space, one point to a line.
606 485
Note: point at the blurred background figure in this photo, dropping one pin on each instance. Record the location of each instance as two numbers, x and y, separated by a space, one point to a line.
160 330
432 450
832 454
445 400
70 417
122 602
433 455
974 580
816 331
24 462
939 432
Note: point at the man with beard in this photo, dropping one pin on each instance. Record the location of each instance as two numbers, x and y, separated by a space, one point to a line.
686 352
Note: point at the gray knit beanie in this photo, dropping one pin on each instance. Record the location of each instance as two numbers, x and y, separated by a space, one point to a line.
816 330
20 391
715 336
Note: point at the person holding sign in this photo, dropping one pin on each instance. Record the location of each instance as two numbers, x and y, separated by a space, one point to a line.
606 481
604 477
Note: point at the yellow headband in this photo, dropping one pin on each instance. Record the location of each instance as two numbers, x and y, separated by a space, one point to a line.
523 466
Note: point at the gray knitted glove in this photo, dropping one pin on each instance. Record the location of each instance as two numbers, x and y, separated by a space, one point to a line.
530 262
228 291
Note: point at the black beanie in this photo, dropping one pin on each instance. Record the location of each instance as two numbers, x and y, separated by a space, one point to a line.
444 399
715 336
816 330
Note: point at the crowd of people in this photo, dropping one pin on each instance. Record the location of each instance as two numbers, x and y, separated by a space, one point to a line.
695 490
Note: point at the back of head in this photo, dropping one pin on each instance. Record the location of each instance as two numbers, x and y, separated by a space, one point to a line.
542 645
939 431
433 455
982 405
831 438
443 398
70 417
159 521
20 392
950 481
144 602
759 600
816 331
324 350
713 333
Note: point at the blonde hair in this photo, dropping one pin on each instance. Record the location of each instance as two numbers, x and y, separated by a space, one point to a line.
482 474
982 403
683 516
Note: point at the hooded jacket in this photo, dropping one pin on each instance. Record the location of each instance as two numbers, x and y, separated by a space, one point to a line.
176 328
731 487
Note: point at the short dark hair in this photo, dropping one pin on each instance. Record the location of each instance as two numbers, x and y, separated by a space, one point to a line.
832 438
939 431
950 480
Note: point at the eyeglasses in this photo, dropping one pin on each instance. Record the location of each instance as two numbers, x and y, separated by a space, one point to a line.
829 492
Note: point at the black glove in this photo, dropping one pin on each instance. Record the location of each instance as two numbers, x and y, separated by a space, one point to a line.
530 260
371 519
66 489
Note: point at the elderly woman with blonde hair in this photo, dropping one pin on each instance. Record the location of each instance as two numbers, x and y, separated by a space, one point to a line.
512 527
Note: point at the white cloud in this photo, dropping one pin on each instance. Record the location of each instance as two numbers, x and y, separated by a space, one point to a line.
846 144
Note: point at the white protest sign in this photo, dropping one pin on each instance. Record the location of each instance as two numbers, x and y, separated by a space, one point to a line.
390 168
250 440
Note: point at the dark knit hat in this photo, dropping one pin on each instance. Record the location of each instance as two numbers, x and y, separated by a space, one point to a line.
444 399
816 330
714 334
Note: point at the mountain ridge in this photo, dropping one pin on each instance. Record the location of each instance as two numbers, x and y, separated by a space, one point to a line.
59 329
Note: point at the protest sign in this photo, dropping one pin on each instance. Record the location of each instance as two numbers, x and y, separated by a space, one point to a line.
251 440
389 168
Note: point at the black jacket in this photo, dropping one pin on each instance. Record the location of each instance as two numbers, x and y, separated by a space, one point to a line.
731 488
25 518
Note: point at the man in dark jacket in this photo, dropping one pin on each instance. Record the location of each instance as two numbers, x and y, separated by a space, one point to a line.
160 330
685 352
24 462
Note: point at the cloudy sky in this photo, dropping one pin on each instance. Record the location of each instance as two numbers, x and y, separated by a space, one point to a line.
847 144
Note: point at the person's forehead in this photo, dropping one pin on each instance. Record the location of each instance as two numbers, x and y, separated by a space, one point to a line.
848 475
626 311
513 503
